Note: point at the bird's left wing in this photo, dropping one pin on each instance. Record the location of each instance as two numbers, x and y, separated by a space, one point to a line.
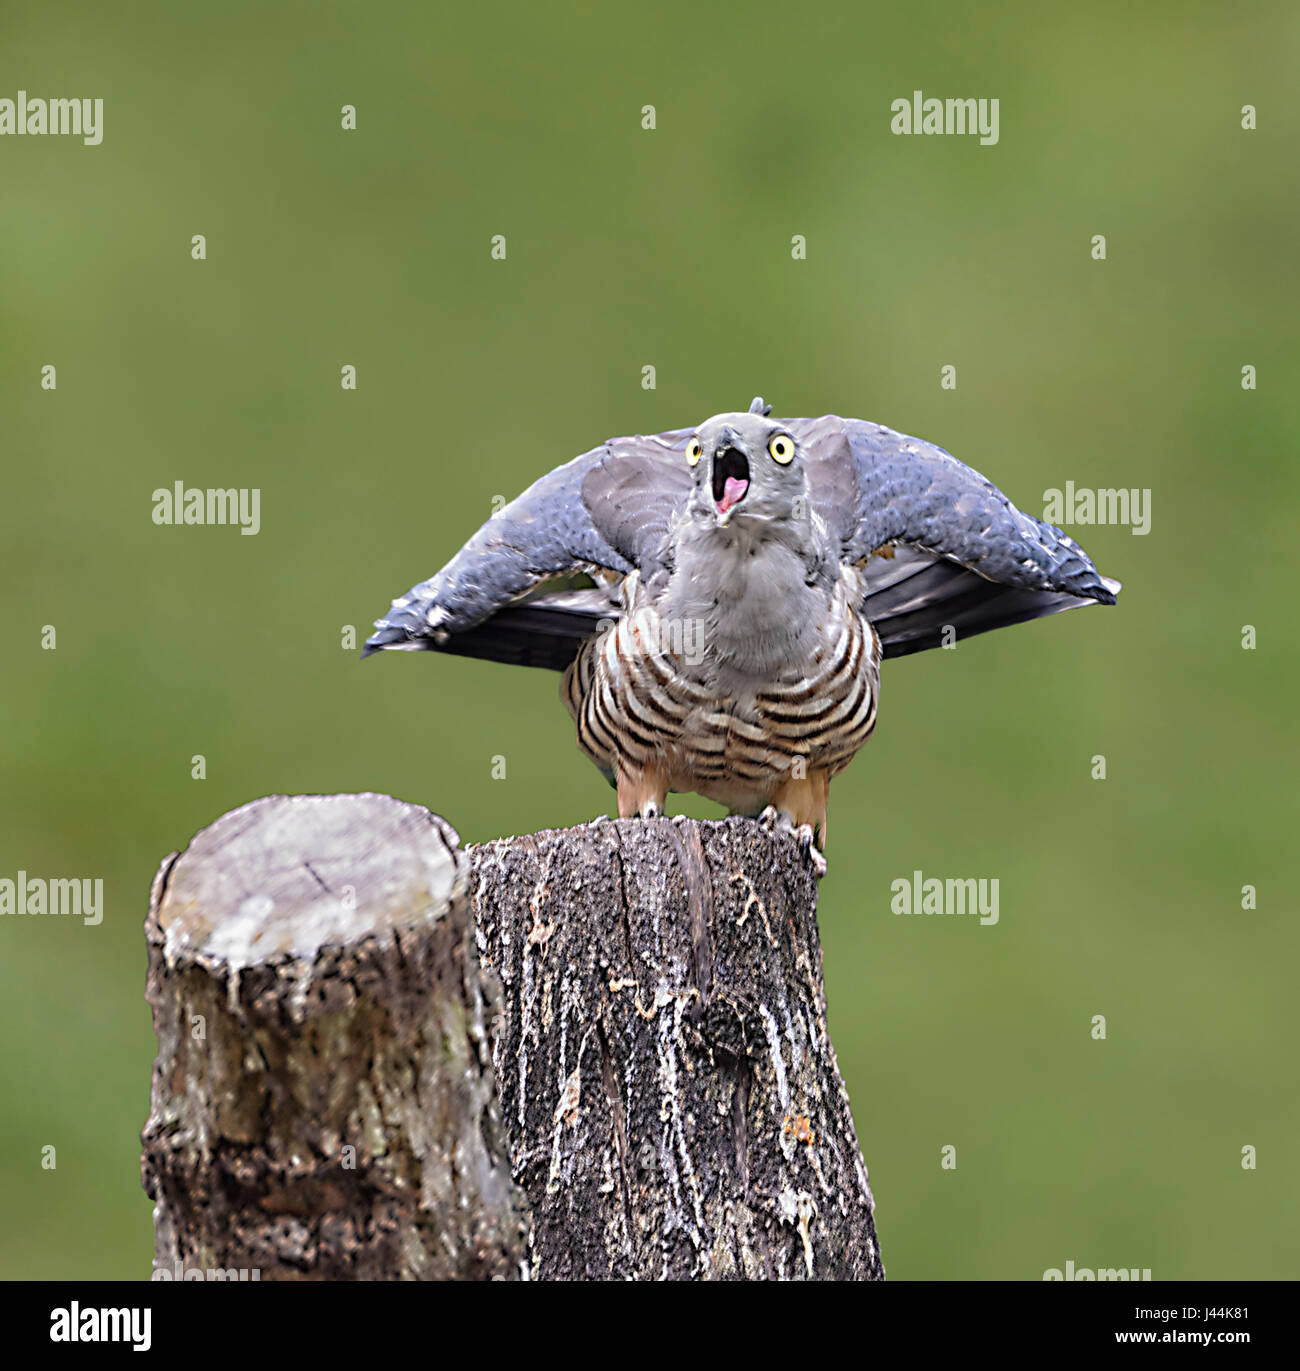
510 593
944 551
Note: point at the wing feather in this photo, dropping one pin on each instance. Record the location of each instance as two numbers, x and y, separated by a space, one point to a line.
942 547
952 554
607 509
889 488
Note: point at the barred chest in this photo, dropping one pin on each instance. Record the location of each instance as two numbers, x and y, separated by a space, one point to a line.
652 691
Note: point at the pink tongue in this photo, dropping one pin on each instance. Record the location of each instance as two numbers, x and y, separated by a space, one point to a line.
732 493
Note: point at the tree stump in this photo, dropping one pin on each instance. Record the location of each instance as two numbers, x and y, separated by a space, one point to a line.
322 1101
668 1085
335 986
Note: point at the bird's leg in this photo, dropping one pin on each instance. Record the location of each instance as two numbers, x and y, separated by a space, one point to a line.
641 793
799 807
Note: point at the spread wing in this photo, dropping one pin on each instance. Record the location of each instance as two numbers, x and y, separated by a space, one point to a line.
944 551
943 548
514 592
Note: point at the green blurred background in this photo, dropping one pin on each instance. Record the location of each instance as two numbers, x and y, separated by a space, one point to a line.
671 248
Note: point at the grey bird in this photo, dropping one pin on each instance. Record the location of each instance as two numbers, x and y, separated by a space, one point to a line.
719 598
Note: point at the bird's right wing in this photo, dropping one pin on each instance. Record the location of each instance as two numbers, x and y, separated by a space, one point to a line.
512 593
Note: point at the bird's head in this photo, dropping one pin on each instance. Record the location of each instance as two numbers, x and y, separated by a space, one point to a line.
747 467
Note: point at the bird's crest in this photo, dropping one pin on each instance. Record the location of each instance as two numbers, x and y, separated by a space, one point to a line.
756 406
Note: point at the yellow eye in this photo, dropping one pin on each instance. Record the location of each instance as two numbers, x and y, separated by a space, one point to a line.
694 451
782 449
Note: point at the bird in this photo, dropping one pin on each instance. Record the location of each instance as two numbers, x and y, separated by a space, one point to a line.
719 599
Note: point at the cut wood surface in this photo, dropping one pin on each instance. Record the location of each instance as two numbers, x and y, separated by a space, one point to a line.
322 1100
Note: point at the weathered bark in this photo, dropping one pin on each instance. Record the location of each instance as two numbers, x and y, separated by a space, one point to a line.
670 1091
322 1102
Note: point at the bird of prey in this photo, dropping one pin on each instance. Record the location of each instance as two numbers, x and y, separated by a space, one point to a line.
719 598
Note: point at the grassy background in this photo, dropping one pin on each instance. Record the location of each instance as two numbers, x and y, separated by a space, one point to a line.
626 248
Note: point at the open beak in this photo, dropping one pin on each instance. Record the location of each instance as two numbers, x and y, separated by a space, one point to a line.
730 480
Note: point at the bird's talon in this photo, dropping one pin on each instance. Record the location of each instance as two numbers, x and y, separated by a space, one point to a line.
809 848
771 817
